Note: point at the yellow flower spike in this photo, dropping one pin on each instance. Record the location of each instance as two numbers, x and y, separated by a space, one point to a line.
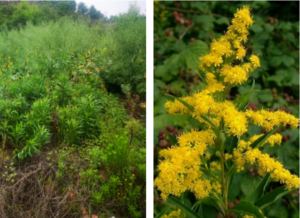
179 170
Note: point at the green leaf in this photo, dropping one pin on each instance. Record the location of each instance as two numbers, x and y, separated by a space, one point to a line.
218 204
209 121
222 20
258 192
242 101
171 137
190 56
205 18
288 60
258 142
265 95
141 88
271 197
277 79
256 28
246 207
166 210
125 88
275 61
189 213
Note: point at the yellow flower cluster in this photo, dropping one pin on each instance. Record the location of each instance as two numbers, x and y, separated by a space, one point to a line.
204 104
245 154
269 120
230 47
175 214
272 140
179 171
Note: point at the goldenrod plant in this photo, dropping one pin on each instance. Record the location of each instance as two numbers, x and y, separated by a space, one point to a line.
203 161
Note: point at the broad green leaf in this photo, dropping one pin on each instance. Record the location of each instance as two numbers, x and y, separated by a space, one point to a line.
288 60
275 61
242 101
271 197
277 79
258 142
125 88
141 88
258 192
222 20
246 207
171 137
189 213
265 95
205 18
256 28
190 56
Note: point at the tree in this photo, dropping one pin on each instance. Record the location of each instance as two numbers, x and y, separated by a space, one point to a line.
66 8
82 8
94 14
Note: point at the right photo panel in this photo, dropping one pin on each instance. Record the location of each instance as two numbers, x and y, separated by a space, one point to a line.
226 109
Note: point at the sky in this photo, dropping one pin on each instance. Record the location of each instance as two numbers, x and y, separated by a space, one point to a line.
113 7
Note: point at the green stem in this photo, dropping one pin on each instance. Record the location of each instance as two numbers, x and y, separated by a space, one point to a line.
224 181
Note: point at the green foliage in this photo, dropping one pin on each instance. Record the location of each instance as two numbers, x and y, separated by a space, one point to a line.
54 95
128 61
117 153
96 157
29 149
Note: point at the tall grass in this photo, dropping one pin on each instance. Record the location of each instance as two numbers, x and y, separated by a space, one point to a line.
46 47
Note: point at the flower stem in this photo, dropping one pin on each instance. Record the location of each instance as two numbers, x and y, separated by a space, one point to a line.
224 181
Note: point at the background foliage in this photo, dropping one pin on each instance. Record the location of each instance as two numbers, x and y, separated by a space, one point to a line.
183 32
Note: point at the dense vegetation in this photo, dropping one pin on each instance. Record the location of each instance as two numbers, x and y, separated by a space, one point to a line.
183 32
72 142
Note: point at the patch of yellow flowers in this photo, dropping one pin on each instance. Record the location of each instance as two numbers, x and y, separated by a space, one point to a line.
180 165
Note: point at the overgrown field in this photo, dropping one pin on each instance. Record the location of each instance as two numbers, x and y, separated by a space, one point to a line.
72 142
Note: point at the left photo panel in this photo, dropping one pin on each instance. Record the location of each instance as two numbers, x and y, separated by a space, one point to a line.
73 109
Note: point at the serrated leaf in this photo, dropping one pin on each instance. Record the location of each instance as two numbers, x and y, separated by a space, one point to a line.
189 213
258 142
271 197
246 207
258 192
242 101
190 56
